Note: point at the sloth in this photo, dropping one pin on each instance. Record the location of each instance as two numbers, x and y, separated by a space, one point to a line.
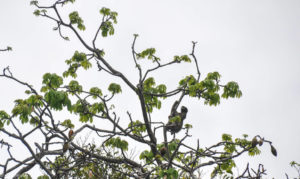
176 119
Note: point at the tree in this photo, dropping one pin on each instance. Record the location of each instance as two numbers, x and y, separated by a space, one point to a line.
60 156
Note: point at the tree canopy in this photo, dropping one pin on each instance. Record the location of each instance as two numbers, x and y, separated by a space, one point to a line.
166 154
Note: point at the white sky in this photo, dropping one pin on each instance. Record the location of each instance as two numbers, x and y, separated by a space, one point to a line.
255 43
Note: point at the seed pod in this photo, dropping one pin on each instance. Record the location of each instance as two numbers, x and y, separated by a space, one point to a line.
65 147
163 151
70 133
254 142
273 150
260 142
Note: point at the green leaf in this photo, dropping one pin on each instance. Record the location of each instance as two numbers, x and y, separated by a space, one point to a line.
149 89
37 12
231 89
148 156
67 123
3 118
230 148
149 82
25 176
87 111
105 11
35 100
86 64
172 173
95 92
161 88
57 100
183 58
9 48
111 14
43 177
71 1
149 54
254 151
28 92
100 52
188 80
117 143
51 81
211 98
114 88
76 19
107 28
173 145
188 126
75 87
78 59
97 108
137 127
3 115
34 2
22 109
213 76
34 120
226 138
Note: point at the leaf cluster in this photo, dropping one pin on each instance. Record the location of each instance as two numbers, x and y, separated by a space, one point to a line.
150 89
147 156
208 89
149 54
95 92
58 99
86 161
114 88
170 173
74 87
183 58
79 59
51 82
76 19
137 127
110 17
117 142
24 108
68 124
3 118
86 111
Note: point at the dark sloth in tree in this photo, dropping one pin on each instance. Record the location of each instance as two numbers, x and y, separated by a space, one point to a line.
175 122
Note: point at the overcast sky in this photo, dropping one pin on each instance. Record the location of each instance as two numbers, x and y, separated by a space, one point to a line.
255 43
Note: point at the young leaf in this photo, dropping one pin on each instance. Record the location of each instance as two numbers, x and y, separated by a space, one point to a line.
114 88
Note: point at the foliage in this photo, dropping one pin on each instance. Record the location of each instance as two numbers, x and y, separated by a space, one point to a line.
62 156
75 19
